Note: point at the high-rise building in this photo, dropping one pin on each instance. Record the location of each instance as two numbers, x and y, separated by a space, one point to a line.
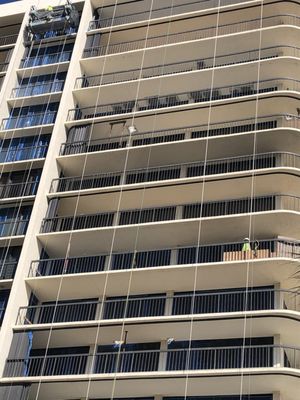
149 200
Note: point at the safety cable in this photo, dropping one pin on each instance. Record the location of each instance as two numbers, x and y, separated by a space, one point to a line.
251 230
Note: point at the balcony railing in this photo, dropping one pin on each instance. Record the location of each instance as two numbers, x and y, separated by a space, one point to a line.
154 306
187 66
203 358
2 312
181 134
179 99
196 34
171 213
14 227
53 34
37 89
21 189
9 39
3 66
46 59
26 121
177 171
8 269
25 153
159 12
204 254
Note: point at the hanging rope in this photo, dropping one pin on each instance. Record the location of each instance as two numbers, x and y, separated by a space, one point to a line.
202 196
251 231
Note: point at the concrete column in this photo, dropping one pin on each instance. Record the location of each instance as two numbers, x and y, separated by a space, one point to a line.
183 172
90 362
179 212
123 178
163 356
276 396
188 134
100 308
278 356
169 303
278 297
116 219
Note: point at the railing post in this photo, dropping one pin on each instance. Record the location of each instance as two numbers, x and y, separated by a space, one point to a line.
162 363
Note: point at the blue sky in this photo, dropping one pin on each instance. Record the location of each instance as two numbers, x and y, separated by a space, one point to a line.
6 1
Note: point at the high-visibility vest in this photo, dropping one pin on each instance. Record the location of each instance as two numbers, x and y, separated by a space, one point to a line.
246 246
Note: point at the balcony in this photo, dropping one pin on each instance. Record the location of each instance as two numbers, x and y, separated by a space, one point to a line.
201 359
2 312
192 35
207 302
37 89
8 40
3 66
210 253
14 227
7 270
171 213
187 98
27 121
186 66
156 12
46 59
14 154
175 135
176 171
21 189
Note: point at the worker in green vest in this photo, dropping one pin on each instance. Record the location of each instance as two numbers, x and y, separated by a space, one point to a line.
246 245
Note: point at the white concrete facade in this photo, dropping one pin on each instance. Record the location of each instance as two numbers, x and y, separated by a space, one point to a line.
175 137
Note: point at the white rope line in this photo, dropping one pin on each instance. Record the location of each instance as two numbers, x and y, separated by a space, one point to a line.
251 232
131 271
199 233
115 380
77 204
251 222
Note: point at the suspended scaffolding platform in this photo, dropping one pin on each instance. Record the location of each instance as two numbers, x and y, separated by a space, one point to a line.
51 21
